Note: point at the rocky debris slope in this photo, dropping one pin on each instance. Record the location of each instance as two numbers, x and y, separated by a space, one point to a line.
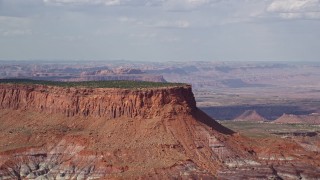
250 115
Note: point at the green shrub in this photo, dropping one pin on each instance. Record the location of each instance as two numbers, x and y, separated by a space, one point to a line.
93 84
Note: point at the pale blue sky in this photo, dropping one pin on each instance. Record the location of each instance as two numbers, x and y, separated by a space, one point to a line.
160 30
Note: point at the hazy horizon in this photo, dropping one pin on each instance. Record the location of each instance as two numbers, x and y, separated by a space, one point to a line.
153 61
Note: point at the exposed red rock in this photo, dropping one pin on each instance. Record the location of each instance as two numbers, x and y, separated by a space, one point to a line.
250 115
78 132
157 133
99 102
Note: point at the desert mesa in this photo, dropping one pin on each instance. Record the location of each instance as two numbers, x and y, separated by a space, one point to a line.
128 130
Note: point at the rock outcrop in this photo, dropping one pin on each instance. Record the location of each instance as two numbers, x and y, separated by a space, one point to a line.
298 119
250 115
49 132
55 132
99 102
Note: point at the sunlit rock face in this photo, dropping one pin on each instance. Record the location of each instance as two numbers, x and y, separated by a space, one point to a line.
49 132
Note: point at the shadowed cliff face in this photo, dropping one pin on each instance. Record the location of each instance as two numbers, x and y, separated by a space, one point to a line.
99 102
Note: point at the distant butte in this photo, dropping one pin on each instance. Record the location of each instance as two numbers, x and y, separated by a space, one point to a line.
298 119
250 115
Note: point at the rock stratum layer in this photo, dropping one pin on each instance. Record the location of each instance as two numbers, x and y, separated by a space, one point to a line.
98 102
51 132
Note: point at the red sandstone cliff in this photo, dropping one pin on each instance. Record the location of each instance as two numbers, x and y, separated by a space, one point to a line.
114 132
99 102
81 133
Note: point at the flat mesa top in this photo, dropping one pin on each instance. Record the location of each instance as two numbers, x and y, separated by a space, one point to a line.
93 84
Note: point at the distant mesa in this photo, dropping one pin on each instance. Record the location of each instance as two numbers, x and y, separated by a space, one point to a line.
83 132
117 71
116 77
139 130
122 70
250 115
97 72
184 70
290 118
105 74
238 83
313 118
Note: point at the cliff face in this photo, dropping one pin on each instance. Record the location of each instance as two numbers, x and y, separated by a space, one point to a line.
99 102
49 132
107 133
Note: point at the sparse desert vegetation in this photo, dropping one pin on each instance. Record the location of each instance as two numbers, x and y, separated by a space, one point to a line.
268 129
93 84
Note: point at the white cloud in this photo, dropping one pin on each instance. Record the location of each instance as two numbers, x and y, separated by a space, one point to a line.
115 24
84 2
309 15
167 4
14 26
13 21
291 6
125 19
15 32
185 4
156 24
143 35
295 9
172 24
